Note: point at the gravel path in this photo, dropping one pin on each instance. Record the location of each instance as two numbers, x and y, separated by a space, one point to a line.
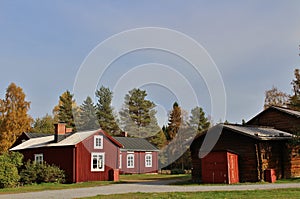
140 187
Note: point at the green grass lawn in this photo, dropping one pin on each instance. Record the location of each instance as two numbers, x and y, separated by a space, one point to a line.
123 179
52 186
276 193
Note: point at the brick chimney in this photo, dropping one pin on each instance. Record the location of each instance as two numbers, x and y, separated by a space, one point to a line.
60 132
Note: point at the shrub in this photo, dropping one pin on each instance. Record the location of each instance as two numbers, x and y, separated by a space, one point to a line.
9 164
52 173
28 173
9 176
38 173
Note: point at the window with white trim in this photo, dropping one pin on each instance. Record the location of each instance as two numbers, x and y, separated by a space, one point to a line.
98 142
130 160
97 162
148 160
38 158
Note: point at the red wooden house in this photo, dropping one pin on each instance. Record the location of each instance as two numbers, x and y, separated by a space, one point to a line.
263 144
85 156
137 156
89 155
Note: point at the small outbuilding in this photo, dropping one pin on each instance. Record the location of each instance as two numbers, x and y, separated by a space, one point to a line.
265 148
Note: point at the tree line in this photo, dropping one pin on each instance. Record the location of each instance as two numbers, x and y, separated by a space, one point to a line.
137 116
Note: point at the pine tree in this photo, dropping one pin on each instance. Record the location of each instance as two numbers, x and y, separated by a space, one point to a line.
295 98
198 121
104 111
175 121
138 115
14 117
65 109
44 125
159 140
88 117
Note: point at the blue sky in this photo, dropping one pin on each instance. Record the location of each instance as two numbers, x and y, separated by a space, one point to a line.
253 43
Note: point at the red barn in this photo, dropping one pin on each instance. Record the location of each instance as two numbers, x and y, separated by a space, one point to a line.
85 156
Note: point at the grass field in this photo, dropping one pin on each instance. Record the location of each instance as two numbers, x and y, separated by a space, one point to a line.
276 193
52 186
123 179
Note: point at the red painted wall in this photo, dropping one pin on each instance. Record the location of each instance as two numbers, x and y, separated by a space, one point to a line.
139 163
76 160
83 160
60 156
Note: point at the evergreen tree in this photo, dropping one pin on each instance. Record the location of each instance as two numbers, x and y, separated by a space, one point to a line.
88 118
294 102
66 107
138 115
44 125
198 121
14 117
105 115
159 140
175 121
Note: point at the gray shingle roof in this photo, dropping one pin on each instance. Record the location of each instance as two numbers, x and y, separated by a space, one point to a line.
135 144
258 132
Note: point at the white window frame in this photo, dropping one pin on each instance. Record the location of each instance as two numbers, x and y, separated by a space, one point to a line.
120 162
100 165
39 158
148 163
97 144
130 163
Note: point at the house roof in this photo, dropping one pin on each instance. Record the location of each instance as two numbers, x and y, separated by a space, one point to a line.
48 141
286 110
258 132
36 135
135 144
281 109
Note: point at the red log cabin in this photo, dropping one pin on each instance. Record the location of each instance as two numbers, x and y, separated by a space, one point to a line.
84 156
263 144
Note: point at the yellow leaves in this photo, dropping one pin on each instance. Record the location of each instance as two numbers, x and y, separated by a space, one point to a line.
13 116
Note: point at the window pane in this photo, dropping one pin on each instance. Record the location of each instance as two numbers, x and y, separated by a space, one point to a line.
95 163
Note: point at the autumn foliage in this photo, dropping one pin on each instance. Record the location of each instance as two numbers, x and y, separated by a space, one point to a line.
14 118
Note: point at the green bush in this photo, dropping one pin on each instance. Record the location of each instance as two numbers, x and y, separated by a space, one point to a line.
9 164
9 176
39 173
28 173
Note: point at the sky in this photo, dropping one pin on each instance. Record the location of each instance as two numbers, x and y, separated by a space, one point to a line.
253 44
